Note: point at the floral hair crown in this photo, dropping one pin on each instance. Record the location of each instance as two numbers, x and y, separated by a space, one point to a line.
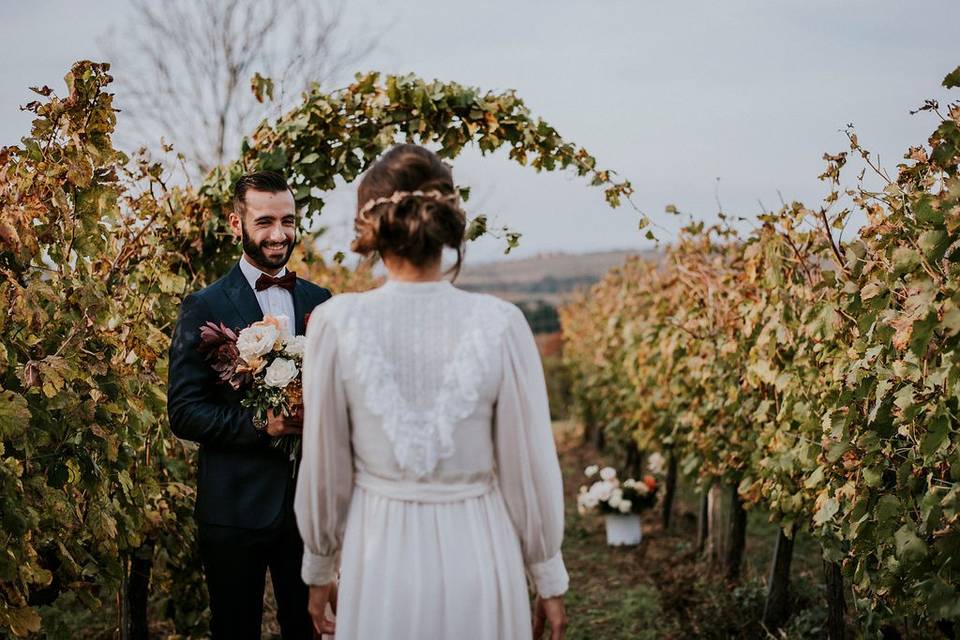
397 196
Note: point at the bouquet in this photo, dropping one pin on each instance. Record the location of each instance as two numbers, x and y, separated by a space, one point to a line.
266 361
613 497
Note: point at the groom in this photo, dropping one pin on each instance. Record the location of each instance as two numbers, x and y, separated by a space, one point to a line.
244 510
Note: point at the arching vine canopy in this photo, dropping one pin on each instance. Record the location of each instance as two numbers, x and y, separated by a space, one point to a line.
337 135
96 249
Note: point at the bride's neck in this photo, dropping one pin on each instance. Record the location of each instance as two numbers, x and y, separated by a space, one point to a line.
405 271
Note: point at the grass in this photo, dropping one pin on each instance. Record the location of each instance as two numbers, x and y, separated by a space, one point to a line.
661 588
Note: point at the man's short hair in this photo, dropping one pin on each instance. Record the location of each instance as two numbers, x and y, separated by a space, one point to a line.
269 181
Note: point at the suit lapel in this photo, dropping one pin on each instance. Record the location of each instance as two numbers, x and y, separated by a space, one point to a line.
299 306
241 295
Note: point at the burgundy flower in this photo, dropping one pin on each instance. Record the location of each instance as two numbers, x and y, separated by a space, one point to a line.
213 335
218 344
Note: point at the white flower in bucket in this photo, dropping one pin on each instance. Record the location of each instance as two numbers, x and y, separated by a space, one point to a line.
602 490
655 463
616 497
620 502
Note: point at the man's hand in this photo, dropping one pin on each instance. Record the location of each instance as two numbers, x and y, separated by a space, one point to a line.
549 610
320 595
281 425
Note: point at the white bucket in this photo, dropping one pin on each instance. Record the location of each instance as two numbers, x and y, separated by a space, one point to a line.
623 529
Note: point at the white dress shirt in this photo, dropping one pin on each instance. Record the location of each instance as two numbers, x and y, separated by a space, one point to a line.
274 301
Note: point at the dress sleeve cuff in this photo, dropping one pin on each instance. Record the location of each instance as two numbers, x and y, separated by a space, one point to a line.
319 570
550 577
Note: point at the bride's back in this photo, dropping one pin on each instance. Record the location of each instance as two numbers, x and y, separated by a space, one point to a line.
422 363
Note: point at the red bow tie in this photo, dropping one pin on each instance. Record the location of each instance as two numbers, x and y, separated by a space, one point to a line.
287 281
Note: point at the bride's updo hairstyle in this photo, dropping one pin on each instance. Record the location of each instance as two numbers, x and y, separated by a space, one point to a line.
407 206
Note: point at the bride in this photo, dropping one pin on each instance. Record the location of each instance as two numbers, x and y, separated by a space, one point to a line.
429 478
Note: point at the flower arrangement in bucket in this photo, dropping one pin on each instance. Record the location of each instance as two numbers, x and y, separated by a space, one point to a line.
621 503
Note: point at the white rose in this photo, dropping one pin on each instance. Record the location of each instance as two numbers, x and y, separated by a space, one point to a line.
280 373
625 506
295 345
254 342
608 473
628 483
616 497
642 488
655 463
581 503
602 490
591 470
590 501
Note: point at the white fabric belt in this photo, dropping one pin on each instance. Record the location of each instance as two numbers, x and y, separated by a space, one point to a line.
432 492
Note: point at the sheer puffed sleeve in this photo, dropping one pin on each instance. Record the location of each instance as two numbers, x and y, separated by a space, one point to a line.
325 483
527 464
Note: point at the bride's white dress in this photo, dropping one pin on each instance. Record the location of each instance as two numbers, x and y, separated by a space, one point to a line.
429 475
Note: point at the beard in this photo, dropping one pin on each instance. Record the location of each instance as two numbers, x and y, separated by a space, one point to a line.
256 251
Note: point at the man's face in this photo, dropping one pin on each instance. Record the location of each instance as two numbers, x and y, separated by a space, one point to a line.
267 227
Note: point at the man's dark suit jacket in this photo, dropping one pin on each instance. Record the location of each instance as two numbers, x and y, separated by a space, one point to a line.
242 480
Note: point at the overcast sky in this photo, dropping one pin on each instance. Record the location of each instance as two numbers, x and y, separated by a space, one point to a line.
671 95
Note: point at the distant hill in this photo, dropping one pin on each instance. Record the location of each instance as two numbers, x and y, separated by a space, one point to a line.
549 277
540 284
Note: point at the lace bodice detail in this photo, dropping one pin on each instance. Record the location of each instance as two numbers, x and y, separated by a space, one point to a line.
423 353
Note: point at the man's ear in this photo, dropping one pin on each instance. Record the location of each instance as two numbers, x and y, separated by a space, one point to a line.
235 224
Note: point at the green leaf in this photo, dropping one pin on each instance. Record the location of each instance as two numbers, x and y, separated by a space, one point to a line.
477 227
951 317
872 476
910 548
836 451
14 414
814 479
936 435
904 397
275 159
943 599
828 509
934 244
952 81
905 260
922 332
887 510
872 289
